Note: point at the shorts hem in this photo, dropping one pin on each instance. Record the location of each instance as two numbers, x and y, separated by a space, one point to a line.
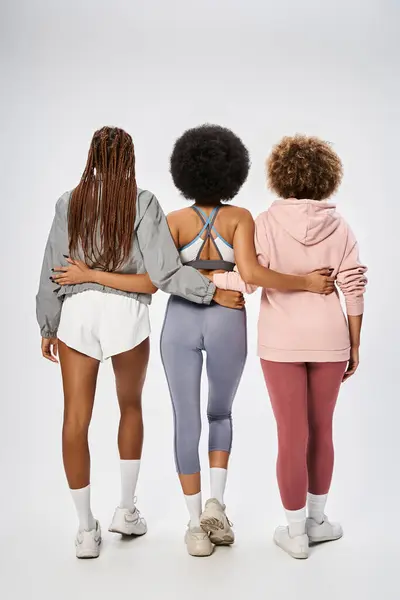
128 347
77 349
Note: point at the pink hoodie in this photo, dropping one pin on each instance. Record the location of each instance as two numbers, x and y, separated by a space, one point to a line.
297 237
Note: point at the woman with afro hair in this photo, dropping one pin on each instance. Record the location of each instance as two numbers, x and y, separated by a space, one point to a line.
306 346
209 165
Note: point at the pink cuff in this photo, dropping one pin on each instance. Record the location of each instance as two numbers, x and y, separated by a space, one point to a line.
221 280
355 306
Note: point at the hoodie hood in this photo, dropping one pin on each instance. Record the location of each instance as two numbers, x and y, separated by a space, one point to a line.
307 221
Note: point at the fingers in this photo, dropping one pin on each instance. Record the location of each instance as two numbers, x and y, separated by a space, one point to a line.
329 289
62 280
325 271
46 350
60 269
352 368
329 286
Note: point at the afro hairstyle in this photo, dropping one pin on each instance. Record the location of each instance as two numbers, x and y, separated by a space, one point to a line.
209 164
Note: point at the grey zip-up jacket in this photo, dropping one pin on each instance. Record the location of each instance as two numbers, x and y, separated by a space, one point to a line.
153 252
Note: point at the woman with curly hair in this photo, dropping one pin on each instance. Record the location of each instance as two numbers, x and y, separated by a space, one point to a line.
96 307
306 347
209 165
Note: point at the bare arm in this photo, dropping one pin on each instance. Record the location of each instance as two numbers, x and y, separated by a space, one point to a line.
78 272
355 323
253 273
141 284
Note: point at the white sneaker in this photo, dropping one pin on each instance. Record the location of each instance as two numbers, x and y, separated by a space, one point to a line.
127 522
296 546
198 542
323 532
87 543
215 522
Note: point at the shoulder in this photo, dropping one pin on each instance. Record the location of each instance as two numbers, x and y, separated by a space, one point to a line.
177 216
239 215
62 204
63 201
262 219
145 201
144 198
243 213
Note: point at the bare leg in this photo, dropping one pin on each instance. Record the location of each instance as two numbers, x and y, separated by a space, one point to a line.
190 484
79 374
130 373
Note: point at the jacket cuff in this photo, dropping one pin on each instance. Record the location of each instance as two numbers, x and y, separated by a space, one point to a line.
210 293
48 334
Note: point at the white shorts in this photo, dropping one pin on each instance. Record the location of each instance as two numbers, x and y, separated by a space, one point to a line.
102 325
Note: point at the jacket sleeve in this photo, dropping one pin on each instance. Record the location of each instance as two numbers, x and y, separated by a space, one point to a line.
232 280
48 305
351 277
162 262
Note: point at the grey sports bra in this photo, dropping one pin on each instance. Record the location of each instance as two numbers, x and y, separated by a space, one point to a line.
190 257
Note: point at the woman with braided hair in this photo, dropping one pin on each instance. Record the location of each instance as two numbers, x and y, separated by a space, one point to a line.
112 234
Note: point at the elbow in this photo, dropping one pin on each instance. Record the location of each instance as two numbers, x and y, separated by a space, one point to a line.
153 289
248 275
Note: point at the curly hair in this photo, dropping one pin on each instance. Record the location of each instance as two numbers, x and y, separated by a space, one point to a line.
304 167
209 164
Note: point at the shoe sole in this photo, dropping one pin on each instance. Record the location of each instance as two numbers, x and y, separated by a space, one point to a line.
325 539
226 540
114 530
296 555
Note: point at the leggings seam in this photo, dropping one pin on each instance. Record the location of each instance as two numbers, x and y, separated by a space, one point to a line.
169 388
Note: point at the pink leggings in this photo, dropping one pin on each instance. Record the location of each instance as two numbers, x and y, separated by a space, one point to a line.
303 397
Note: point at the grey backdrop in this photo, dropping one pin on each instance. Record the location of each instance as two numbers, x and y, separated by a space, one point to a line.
264 69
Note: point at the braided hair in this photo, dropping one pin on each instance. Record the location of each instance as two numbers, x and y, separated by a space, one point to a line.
102 208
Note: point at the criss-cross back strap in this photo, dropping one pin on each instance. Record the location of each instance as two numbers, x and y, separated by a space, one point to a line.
208 225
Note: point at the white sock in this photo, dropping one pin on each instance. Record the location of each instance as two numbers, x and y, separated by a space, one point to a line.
129 476
316 506
81 500
297 521
218 478
195 508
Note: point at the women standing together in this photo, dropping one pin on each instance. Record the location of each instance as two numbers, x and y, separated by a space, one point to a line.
117 249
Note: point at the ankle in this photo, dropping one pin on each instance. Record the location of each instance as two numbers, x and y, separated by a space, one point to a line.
316 507
296 521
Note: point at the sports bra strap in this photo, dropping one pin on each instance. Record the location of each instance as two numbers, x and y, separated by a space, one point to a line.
208 223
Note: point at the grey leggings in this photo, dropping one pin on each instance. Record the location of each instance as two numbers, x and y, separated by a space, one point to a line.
188 330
